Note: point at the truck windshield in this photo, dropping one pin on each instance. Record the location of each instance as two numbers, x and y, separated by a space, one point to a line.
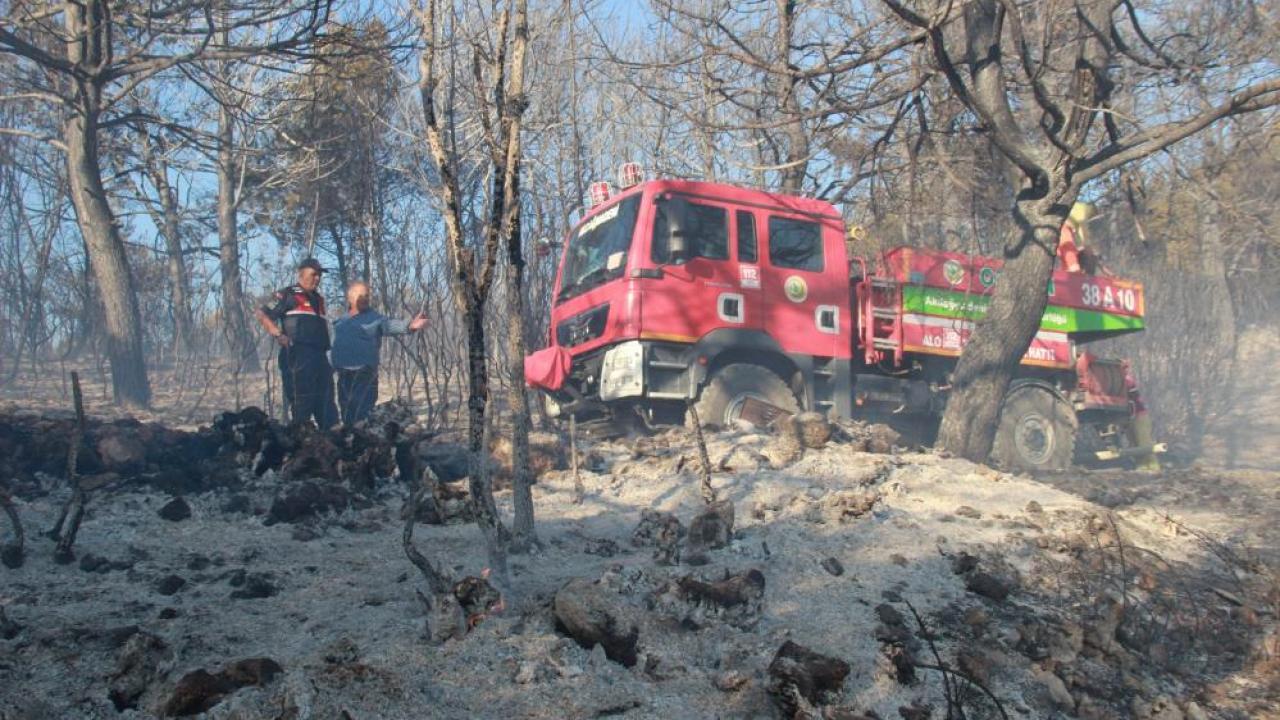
598 251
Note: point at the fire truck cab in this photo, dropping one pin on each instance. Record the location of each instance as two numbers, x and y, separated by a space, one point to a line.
670 282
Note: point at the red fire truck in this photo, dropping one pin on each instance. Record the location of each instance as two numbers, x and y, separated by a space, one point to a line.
672 292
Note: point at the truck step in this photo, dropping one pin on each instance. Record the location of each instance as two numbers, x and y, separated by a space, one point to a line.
883 282
884 313
1117 453
884 344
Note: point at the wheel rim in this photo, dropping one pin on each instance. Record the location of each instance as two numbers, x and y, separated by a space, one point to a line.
733 410
1033 438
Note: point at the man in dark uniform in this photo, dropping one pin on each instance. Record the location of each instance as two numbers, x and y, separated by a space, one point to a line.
296 320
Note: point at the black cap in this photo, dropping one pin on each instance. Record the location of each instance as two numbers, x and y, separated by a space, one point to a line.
312 263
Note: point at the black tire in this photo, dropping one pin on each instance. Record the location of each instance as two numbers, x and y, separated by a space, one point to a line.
1037 431
721 398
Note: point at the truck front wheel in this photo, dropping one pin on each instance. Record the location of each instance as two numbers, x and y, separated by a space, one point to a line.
1037 431
720 403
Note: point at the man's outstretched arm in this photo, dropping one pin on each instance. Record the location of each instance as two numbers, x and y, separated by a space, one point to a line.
401 327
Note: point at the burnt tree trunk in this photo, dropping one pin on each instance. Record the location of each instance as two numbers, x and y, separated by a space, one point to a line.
86 23
68 525
179 283
522 474
234 322
472 268
994 352
497 537
12 554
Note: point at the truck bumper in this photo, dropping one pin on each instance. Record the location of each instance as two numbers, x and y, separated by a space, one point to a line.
632 370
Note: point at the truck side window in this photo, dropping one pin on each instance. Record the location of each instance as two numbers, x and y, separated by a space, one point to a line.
795 244
746 237
708 233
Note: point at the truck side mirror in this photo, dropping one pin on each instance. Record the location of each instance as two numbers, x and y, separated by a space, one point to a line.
546 246
677 213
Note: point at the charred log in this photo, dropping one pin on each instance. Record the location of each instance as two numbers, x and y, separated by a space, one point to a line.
732 591
593 616
709 530
14 552
797 670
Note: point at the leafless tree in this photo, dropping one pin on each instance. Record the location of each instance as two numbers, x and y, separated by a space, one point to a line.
230 172
166 214
777 94
497 71
34 200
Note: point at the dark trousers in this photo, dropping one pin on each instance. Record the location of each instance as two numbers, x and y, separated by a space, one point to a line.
307 381
357 393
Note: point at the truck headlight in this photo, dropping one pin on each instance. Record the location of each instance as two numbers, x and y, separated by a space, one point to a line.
622 371
551 405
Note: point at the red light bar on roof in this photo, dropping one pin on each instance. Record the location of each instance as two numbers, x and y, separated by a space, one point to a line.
597 193
630 175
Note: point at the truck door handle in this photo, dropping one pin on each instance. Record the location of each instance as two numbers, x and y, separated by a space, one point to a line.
827 319
729 307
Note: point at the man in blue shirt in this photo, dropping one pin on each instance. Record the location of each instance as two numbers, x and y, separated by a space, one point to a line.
357 344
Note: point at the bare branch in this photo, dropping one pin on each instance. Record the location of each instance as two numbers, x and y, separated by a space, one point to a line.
52 140
1141 144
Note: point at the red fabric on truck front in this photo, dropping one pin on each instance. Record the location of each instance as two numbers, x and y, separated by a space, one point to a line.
547 368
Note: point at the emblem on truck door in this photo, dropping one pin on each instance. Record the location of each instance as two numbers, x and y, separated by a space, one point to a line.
796 289
953 272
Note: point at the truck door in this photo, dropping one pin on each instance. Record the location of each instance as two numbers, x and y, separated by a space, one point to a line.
804 295
702 293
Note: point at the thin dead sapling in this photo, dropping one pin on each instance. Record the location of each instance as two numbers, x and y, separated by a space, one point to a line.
73 512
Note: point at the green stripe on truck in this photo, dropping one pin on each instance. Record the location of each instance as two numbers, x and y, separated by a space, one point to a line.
951 304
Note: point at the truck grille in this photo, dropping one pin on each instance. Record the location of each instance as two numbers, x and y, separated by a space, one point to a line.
582 327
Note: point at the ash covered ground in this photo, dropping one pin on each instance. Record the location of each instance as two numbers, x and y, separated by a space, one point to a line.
248 571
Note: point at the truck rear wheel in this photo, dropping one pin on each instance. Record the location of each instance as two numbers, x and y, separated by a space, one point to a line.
1037 431
720 403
